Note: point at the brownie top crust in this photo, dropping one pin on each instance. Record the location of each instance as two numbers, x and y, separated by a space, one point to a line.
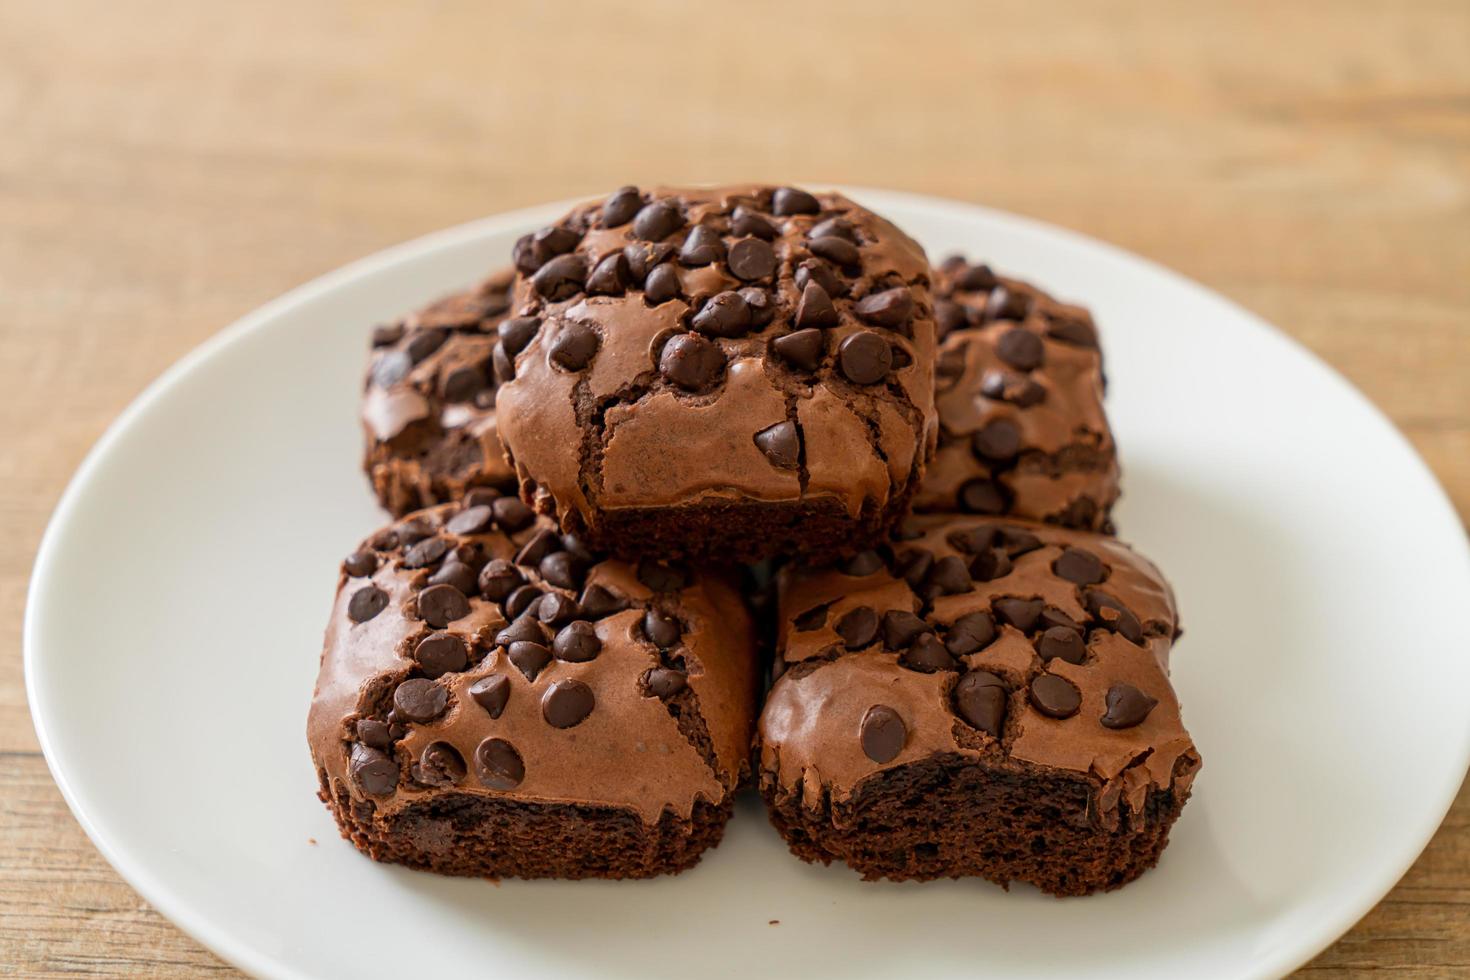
1021 643
746 343
472 647
1019 393
435 364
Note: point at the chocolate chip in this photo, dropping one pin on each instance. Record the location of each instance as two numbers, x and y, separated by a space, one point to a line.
576 643
542 543
1052 616
802 349
663 576
644 257
456 573
751 259
838 250
620 207
762 307
521 600
901 628
529 658
517 332
566 703
1023 614
660 629
863 563
744 221
976 278
574 347
1079 566
1074 332
386 335
865 358
901 357
1110 614
970 633
560 278
440 764
815 308
441 653
464 383
412 531
927 655
1017 389
423 343
384 540
723 315
360 564
949 316
373 771
980 699
1018 542
810 271
1020 348
1127 706
498 765
949 575
662 285
1055 697
858 627
419 699
610 277
1061 643
657 221
427 552
512 514
702 246
597 602
556 609
491 693
999 440
664 683
471 520
563 569
498 579
883 734
366 603
372 732
813 619
502 365
524 630
1003 304
781 445
991 564
790 200
913 566
949 366
440 605
890 308
691 362
833 228
982 496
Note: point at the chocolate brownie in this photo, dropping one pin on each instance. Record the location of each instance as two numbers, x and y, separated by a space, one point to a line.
428 408
982 697
727 374
1019 391
496 701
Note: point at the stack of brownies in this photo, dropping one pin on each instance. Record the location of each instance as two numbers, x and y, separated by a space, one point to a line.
727 486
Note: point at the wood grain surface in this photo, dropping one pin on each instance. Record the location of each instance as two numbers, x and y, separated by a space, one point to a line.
166 167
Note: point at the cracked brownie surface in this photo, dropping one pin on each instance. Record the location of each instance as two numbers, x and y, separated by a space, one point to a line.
428 407
978 697
728 374
1019 392
496 700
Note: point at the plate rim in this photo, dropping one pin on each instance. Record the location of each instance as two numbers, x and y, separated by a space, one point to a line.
1334 924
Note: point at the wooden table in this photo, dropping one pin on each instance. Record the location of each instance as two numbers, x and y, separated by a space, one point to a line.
166 167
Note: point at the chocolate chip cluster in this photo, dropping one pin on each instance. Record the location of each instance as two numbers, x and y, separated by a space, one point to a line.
976 559
461 601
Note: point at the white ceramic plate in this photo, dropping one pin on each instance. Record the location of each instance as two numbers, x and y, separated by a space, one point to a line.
178 602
